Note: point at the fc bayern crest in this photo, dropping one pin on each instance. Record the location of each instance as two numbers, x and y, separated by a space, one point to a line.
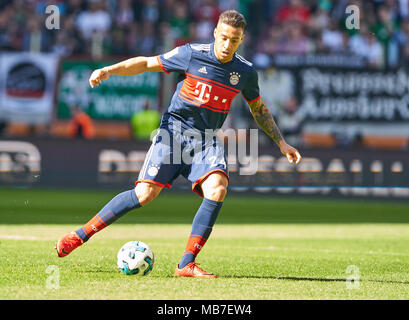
234 78
153 170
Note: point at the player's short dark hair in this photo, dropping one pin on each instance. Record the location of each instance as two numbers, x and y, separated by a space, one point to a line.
233 18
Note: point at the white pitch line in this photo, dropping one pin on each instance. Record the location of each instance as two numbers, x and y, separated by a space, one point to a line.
17 237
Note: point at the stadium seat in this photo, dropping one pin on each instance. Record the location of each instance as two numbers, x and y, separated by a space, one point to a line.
59 129
113 130
319 140
18 129
103 130
385 142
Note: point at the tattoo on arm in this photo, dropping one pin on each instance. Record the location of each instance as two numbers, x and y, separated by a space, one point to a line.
265 120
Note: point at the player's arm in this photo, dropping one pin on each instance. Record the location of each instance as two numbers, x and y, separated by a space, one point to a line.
129 67
266 122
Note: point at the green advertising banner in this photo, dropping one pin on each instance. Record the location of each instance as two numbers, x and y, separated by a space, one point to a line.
118 98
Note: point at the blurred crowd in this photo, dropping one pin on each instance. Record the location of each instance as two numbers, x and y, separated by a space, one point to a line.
109 27
148 27
380 35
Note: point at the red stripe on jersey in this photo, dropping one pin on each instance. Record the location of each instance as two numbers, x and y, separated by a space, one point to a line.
161 65
213 82
206 94
200 105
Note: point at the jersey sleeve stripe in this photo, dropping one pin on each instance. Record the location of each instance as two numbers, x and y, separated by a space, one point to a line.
200 47
250 101
161 65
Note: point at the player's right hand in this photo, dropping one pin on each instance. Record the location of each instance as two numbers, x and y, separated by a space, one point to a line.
290 152
98 76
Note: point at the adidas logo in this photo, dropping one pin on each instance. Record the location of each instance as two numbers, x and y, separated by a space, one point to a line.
203 70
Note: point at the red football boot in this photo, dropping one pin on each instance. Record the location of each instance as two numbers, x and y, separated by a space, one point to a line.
68 243
192 270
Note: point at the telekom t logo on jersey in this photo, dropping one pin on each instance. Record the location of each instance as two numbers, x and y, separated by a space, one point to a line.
201 91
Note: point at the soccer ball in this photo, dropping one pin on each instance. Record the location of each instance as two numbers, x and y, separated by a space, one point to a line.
135 257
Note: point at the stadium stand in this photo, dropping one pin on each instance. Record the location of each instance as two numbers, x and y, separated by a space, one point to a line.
106 28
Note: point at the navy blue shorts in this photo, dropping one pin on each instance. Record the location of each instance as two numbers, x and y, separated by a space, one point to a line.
192 154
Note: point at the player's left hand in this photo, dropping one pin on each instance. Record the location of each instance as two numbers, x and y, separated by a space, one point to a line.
290 152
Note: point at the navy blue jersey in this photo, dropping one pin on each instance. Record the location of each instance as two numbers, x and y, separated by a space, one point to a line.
203 98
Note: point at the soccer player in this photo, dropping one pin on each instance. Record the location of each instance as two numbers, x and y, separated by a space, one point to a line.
214 75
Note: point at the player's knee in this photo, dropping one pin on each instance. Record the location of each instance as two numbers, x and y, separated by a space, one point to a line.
146 192
215 187
145 197
216 193
220 192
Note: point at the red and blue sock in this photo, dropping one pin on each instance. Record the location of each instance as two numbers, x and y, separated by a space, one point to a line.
201 228
113 210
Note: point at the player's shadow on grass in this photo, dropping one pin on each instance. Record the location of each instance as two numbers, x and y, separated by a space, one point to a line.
312 279
100 271
281 278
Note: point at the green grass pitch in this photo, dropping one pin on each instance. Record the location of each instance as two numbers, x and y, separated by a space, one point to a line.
261 248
